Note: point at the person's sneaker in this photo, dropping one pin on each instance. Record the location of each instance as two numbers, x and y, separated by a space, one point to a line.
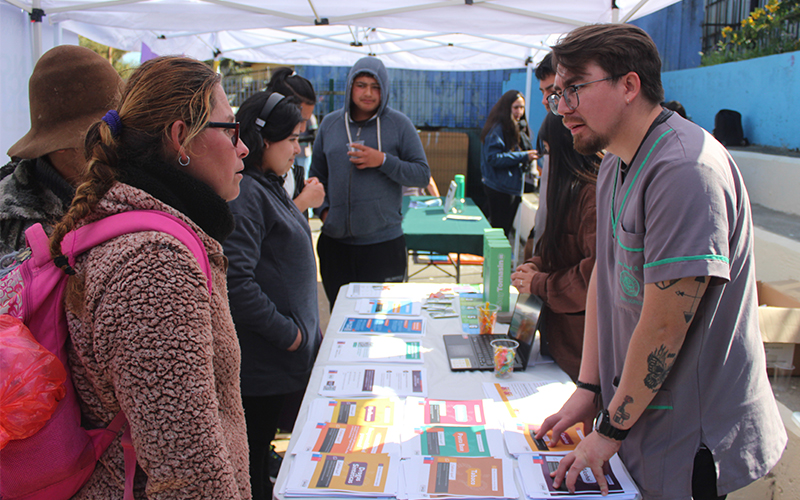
274 464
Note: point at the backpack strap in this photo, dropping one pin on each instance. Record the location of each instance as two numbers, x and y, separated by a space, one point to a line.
85 237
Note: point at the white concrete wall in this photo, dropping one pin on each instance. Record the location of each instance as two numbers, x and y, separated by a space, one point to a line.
772 181
777 257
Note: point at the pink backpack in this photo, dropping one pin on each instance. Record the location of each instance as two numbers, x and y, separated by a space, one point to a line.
57 461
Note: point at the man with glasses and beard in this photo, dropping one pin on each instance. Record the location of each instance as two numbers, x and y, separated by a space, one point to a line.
672 343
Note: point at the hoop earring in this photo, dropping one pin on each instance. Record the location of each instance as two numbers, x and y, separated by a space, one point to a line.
188 160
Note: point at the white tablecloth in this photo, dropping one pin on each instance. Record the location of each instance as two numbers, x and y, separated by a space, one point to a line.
442 383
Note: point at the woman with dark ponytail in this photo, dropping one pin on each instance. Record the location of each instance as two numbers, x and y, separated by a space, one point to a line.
564 256
272 277
305 193
505 155
147 338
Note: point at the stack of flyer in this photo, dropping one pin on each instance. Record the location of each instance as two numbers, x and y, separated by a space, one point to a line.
373 380
451 428
343 474
352 426
535 469
454 449
458 477
348 447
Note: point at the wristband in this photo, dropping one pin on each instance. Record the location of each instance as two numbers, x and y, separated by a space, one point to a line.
589 387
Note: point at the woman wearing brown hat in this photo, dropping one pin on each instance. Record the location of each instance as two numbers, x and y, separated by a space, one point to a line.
71 87
147 338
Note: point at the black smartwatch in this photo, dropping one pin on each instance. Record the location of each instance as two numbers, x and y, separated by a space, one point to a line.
602 425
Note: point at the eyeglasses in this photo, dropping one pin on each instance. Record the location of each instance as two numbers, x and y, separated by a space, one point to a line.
570 95
229 125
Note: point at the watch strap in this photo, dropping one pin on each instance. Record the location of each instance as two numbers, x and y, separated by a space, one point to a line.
604 427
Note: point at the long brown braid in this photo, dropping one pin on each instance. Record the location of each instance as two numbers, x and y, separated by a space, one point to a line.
159 93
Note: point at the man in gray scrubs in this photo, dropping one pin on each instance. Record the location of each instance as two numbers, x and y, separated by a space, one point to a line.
672 342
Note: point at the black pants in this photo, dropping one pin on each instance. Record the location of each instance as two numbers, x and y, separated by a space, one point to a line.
340 263
502 208
261 416
704 477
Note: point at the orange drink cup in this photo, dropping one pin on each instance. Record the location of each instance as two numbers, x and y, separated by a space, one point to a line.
487 317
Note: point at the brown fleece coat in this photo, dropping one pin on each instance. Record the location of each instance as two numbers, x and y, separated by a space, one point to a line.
148 340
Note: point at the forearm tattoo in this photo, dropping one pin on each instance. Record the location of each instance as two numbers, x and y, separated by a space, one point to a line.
659 363
620 416
663 285
696 296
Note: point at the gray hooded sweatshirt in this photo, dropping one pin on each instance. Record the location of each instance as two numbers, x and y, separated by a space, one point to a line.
364 206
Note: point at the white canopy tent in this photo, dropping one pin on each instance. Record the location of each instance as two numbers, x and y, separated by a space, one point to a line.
334 32
420 34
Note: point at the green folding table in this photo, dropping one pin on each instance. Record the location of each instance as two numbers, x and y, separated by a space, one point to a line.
427 230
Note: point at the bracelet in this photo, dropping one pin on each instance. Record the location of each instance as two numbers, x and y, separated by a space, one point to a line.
589 387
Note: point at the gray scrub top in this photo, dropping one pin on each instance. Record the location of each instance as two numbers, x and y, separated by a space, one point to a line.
683 211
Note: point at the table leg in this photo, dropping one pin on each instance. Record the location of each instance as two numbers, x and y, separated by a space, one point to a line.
458 268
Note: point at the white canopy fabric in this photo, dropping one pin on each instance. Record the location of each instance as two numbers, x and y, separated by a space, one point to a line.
420 34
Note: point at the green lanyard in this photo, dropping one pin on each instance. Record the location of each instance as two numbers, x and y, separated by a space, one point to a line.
615 219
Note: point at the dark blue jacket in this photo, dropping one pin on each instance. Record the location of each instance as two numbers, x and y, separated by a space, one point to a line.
502 165
272 284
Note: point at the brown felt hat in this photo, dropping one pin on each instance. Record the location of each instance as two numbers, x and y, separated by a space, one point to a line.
71 87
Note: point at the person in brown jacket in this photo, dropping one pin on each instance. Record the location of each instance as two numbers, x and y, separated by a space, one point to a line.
564 257
146 336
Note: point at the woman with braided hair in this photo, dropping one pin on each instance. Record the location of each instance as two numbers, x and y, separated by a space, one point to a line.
147 338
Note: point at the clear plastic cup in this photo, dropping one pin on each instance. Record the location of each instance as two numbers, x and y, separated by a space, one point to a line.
487 318
782 377
505 352
351 148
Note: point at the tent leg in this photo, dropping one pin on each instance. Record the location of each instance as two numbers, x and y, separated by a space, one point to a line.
36 33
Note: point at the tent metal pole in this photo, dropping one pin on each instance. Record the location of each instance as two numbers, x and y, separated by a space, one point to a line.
36 33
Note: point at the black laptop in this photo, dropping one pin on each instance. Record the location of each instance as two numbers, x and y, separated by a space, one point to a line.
469 352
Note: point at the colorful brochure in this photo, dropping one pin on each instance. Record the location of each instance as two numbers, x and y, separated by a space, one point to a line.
385 412
390 307
459 477
381 325
362 380
449 412
535 472
453 441
521 438
375 290
469 303
333 474
326 437
374 349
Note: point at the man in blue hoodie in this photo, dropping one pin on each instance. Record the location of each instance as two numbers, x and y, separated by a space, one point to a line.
364 154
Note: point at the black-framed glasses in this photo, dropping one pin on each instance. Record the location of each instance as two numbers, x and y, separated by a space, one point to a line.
570 95
229 125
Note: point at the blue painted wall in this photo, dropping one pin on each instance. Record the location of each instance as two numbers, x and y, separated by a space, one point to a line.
454 99
763 90
677 32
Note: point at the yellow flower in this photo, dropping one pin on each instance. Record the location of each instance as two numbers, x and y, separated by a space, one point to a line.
772 6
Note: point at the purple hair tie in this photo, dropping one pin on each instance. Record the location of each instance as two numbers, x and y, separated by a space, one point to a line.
114 122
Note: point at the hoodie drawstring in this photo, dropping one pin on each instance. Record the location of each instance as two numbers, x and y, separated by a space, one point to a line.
349 135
